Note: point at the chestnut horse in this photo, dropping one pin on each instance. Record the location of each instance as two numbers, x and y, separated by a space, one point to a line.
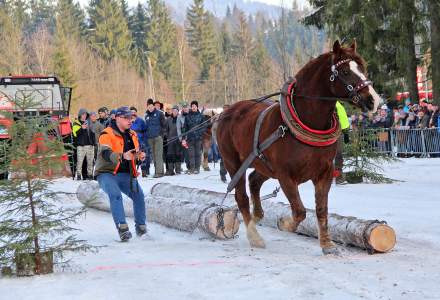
339 74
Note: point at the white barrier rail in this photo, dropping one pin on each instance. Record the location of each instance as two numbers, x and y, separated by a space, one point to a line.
402 141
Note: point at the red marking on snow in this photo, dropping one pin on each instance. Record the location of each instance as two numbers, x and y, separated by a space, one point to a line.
161 264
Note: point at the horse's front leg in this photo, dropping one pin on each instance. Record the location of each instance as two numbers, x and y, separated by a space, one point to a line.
322 188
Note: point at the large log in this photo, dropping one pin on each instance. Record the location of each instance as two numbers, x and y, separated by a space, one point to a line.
177 212
372 235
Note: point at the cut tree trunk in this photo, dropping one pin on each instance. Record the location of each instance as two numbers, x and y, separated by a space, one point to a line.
178 212
371 235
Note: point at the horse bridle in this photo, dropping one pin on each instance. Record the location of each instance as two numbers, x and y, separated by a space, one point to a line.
353 91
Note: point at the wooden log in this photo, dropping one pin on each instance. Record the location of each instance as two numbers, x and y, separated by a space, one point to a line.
207 197
178 212
371 235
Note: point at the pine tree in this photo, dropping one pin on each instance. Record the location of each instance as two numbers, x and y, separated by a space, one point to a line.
407 49
12 48
201 36
362 160
161 38
93 14
377 23
260 63
33 223
42 14
125 10
61 60
19 13
434 20
110 36
138 27
70 19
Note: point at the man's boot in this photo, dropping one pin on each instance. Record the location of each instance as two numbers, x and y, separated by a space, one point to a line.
141 230
223 178
124 232
170 169
178 167
340 176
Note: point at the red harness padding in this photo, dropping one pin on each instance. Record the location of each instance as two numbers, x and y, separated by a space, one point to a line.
332 130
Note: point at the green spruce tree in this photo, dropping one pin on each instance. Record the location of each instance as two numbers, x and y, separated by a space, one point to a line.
161 38
42 15
109 37
201 36
70 19
434 21
36 229
138 28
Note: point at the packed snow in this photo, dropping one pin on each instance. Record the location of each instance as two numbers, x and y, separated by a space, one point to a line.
179 265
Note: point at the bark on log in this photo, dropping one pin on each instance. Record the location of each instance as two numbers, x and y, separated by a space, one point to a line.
371 235
186 214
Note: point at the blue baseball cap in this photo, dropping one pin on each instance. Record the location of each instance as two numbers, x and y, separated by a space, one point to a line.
123 111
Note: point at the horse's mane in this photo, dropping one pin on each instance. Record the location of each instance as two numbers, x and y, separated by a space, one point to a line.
322 59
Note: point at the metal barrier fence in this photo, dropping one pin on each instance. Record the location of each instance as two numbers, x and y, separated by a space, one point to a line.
397 141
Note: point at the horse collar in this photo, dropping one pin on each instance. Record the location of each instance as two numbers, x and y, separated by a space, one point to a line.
305 134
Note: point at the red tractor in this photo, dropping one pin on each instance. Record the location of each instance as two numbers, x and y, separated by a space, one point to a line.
51 99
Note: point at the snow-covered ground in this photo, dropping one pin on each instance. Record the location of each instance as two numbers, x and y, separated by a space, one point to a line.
178 265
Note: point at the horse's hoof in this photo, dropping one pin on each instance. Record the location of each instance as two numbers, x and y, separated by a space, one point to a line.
332 251
257 244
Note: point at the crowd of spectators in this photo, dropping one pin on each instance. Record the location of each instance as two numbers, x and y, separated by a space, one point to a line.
408 116
169 137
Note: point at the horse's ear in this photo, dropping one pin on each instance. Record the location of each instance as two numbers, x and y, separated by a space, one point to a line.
336 47
353 45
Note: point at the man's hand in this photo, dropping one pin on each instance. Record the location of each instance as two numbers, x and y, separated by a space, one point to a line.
141 156
129 154
184 144
84 126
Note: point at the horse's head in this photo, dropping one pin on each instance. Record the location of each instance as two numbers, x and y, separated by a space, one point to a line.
348 79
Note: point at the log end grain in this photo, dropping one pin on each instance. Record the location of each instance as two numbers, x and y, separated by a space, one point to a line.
231 222
382 238
286 224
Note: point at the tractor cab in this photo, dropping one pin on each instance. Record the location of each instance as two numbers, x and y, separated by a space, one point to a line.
46 95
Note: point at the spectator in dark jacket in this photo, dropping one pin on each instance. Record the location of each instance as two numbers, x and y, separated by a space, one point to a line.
382 120
433 121
84 140
103 116
193 137
180 128
155 122
423 118
138 125
174 150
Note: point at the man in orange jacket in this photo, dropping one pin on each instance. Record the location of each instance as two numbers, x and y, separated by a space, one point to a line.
116 169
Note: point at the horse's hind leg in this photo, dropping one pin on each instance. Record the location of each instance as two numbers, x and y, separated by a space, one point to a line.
242 200
290 189
256 180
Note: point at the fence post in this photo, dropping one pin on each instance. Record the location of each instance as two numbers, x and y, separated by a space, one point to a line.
425 154
393 153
